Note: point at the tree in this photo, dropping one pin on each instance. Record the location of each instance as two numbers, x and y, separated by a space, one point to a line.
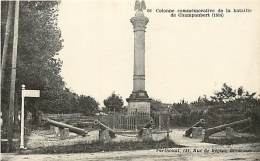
156 104
240 91
202 101
245 95
225 95
114 102
6 38
39 42
228 94
182 107
13 78
88 105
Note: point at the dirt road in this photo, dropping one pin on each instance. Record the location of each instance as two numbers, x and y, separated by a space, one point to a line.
195 151
141 155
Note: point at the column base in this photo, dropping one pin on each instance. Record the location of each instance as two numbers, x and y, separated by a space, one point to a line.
139 101
22 147
138 95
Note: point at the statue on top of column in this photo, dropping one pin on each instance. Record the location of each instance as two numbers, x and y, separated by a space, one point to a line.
140 6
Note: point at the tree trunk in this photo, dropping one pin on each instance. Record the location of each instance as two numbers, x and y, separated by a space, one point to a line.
1 120
13 79
16 111
6 40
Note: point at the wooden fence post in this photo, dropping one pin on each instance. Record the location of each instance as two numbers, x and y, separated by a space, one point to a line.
136 119
160 122
114 120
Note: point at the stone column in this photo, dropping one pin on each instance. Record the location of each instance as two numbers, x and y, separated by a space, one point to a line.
139 22
139 100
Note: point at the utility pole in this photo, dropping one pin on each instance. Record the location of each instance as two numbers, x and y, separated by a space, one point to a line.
4 53
1 121
6 40
13 78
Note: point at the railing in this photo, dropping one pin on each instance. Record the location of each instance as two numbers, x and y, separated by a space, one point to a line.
134 120
127 121
117 120
161 120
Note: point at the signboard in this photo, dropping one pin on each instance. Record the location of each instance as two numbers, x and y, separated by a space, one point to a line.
31 93
26 93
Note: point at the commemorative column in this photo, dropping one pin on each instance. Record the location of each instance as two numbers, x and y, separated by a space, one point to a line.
139 99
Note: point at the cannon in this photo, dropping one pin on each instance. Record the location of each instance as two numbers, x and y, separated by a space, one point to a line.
200 123
219 128
104 127
147 126
62 125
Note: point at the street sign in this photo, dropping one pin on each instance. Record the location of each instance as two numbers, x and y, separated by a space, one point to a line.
31 93
26 93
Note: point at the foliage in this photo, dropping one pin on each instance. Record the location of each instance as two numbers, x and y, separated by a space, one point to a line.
114 102
38 43
182 107
225 106
202 101
69 102
38 66
156 105
226 94
88 105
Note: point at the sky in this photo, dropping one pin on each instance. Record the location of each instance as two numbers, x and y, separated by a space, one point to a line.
185 57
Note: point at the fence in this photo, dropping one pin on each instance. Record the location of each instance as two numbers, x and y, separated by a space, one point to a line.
117 120
161 120
134 120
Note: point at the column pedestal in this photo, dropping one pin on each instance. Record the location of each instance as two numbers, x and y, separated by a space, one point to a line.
139 102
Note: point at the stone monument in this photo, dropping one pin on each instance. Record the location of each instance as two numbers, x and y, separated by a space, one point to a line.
139 100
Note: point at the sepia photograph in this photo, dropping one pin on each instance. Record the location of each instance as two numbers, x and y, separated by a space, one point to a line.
135 80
